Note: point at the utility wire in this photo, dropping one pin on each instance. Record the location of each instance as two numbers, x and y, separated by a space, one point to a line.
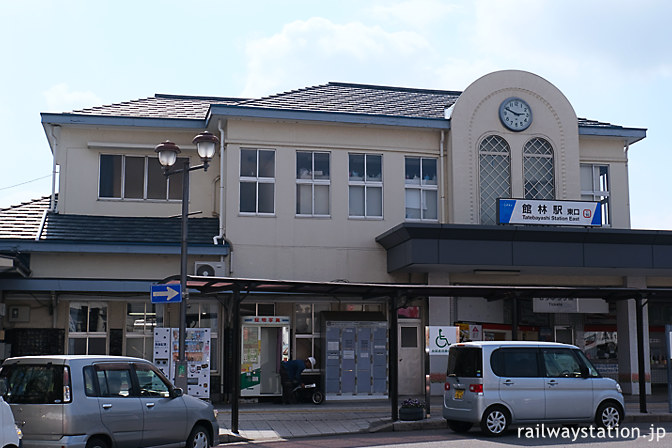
26 182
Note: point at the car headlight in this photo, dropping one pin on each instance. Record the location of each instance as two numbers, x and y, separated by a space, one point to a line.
618 388
215 412
18 431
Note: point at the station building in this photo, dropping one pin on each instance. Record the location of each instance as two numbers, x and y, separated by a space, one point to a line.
338 183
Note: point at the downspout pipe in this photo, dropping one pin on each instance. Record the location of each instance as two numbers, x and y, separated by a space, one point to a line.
55 138
222 197
442 161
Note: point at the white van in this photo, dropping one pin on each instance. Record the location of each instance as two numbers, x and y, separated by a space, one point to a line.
10 434
499 383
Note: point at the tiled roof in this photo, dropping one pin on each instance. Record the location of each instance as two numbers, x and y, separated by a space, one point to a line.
126 229
362 99
22 222
160 106
332 97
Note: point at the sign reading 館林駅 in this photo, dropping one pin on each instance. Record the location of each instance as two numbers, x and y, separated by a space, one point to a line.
554 213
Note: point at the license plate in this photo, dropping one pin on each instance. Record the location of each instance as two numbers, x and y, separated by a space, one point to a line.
459 393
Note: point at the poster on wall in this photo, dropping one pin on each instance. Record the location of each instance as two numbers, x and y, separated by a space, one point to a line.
470 332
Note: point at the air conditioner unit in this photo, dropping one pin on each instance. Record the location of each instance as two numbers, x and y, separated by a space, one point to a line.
210 269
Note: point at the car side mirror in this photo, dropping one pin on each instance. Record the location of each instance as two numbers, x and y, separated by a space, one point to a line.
176 392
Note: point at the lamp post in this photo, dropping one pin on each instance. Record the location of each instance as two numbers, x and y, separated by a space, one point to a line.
206 144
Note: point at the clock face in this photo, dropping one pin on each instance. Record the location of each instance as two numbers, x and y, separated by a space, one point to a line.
515 114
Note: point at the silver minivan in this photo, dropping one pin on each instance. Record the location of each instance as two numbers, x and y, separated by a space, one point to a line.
103 402
499 383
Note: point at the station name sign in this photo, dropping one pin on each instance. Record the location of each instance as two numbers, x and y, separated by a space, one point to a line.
553 213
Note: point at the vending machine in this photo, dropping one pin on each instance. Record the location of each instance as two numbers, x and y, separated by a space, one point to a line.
197 352
265 343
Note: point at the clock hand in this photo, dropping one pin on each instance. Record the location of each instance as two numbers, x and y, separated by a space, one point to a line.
515 113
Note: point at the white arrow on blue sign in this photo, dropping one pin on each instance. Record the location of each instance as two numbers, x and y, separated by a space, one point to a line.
166 293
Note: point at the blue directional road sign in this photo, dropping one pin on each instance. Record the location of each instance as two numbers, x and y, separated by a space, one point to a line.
166 293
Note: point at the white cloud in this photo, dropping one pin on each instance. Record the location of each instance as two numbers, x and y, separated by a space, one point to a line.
317 50
416 13
60 98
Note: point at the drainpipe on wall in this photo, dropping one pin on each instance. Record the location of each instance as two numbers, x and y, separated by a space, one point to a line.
55 137
222 197
442 158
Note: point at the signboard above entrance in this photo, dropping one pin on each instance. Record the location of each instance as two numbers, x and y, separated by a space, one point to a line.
553 213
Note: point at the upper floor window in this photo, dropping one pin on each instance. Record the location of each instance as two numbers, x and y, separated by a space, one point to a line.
421 188
538 169
595 187
257 181
495 175
313 179
365 185
136 177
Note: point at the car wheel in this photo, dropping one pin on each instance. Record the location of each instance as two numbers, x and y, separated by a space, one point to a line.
317 397
608 415
199 438
459 427
495 421
95 442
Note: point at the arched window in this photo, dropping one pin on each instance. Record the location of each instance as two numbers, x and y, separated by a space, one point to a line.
538 169
495 175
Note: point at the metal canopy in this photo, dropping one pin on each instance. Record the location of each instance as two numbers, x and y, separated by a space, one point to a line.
397 296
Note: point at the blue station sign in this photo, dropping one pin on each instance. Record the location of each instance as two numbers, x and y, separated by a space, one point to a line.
554 213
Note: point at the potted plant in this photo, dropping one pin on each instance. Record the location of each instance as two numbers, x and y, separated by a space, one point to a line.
412 409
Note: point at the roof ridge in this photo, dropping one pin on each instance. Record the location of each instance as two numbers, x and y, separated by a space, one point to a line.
394 88
199 97
287 92
25 203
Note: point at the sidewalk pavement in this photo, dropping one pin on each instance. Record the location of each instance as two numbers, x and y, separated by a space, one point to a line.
270 421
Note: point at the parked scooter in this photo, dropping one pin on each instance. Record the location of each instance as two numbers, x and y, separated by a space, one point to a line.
308 393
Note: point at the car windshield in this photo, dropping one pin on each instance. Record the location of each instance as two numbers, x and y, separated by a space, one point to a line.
35 384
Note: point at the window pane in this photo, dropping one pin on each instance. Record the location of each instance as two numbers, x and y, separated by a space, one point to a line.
374 168
304 199
317 310
304 165
266 309
135 347
356 201
248 197
356 169
303 318
429 171
98 318
248 162
97 346
587 177
77 346
413 203
374 201
304 348
78 317
321 199
409 337
134 177
156 181
209 317
135 318
429 204
266 193
412 170
321 165
266 163
175 182
110 176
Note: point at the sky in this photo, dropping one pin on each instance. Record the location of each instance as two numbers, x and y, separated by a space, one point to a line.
611 59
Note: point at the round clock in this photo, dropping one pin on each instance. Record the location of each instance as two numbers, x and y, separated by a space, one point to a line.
515 114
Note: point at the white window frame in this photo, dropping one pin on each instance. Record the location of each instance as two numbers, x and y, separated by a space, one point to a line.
87 334
145 180
366 184
308 179
423 188
257 180
147 333
598 191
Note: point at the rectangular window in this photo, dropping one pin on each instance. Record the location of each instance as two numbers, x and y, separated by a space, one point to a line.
87 330
257 181
140 323
595 187
312 183
421 189
137 178
365 185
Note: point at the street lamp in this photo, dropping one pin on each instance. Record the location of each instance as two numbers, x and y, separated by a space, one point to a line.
206 144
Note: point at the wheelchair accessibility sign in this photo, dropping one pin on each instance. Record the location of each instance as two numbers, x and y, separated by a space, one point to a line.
441 338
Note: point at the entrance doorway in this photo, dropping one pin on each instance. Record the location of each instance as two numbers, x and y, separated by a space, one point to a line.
410 357
564 334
